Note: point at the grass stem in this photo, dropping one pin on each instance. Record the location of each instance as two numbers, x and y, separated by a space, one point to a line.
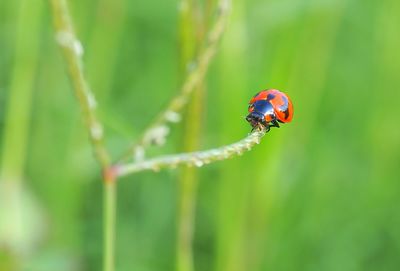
198 158
109 222
73 50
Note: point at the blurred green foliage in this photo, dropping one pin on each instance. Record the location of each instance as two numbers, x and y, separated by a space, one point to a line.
321 193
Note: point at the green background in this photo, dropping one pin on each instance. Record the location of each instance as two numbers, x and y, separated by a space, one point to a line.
320 193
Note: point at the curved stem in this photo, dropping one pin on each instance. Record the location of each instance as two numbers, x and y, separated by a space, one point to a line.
192 158
73 51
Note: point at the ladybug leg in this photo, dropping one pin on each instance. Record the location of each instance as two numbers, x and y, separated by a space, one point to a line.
274 123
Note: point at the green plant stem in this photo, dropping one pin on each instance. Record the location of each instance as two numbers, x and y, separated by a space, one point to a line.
109 221
21 90
197 159
186 219
15 135
193 23
72 51
191 36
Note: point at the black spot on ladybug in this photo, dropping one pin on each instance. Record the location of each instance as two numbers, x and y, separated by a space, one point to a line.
270 97
286 112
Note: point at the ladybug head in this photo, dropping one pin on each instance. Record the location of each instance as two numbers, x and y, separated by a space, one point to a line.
254 118
261 112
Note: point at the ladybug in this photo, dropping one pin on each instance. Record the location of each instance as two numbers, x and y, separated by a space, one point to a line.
268 108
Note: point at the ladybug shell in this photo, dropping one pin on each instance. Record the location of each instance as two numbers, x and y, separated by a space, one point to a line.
280 103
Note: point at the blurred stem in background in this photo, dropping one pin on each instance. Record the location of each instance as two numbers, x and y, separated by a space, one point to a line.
234 177
21 86
16 239
101 55
191 28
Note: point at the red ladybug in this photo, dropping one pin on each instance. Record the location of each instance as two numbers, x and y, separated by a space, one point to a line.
269 107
